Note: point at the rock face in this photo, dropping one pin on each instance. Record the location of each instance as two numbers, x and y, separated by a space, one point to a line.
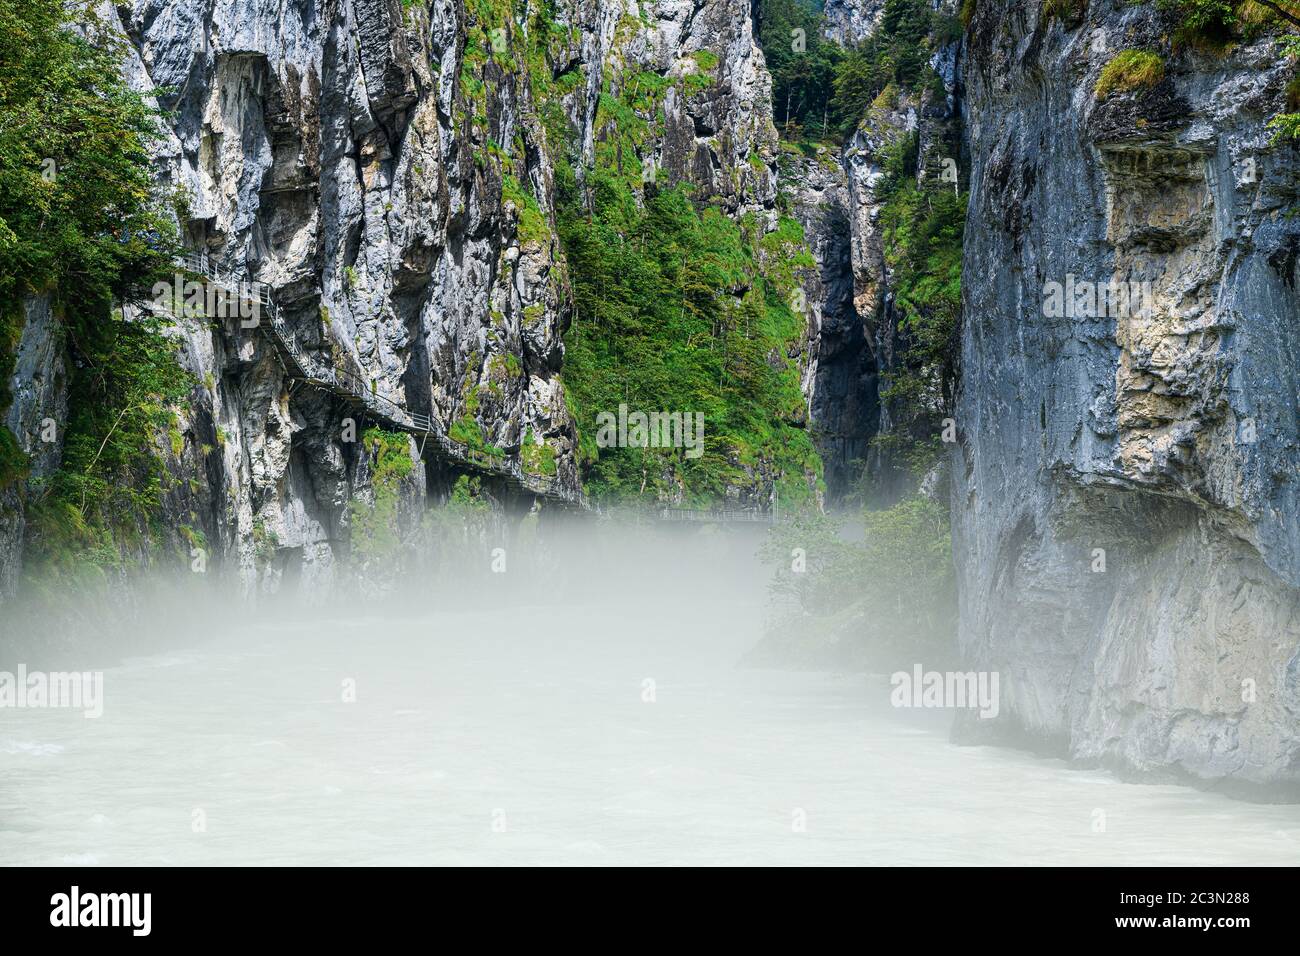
933 118
1127 480
35 418
716 133
839 376
849 22
863 159
338 155
386 171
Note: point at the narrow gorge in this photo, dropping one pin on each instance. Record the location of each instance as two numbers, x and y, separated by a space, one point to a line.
988 311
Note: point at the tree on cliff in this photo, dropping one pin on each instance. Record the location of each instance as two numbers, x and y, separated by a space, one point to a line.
79 223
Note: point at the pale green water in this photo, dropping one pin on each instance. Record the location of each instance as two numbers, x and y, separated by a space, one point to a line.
520 737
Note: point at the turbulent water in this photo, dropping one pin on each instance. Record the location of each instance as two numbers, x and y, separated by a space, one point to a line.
616 733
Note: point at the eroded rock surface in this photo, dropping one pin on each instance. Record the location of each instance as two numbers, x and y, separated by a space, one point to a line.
387 172
1128 473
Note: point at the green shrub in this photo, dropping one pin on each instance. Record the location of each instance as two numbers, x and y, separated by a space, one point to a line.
532 228
375 529
537 455
889 588
13 463
1285 127
681 309
1068 11
1128 71
706 60
1204 21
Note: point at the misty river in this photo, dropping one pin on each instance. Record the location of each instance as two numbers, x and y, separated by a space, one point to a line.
605 733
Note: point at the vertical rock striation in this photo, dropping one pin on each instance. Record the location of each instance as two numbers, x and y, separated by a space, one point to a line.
387 171
849 22
37 410
1127 480
840 376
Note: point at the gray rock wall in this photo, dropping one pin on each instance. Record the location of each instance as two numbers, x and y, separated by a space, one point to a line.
839 374
387 175
849 22
35 417
1160 438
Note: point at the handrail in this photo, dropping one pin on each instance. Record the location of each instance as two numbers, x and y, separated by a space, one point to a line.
198 263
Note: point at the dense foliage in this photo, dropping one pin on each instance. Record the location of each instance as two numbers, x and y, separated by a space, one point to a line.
803 66
882 585
77 223
923 224
74 207
881 579
677 308
822 90
674 312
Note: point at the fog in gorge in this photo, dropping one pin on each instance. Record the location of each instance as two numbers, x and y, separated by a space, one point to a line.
575 691
651 432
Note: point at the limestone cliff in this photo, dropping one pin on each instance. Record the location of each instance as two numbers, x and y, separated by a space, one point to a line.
385 170
840 376
852 21
1127 481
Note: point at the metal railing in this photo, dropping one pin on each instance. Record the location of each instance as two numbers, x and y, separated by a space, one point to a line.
199 264
351 386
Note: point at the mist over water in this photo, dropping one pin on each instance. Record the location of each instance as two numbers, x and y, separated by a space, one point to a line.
593 703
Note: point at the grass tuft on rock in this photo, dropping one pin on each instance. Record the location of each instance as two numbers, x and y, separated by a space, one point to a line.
1129 71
